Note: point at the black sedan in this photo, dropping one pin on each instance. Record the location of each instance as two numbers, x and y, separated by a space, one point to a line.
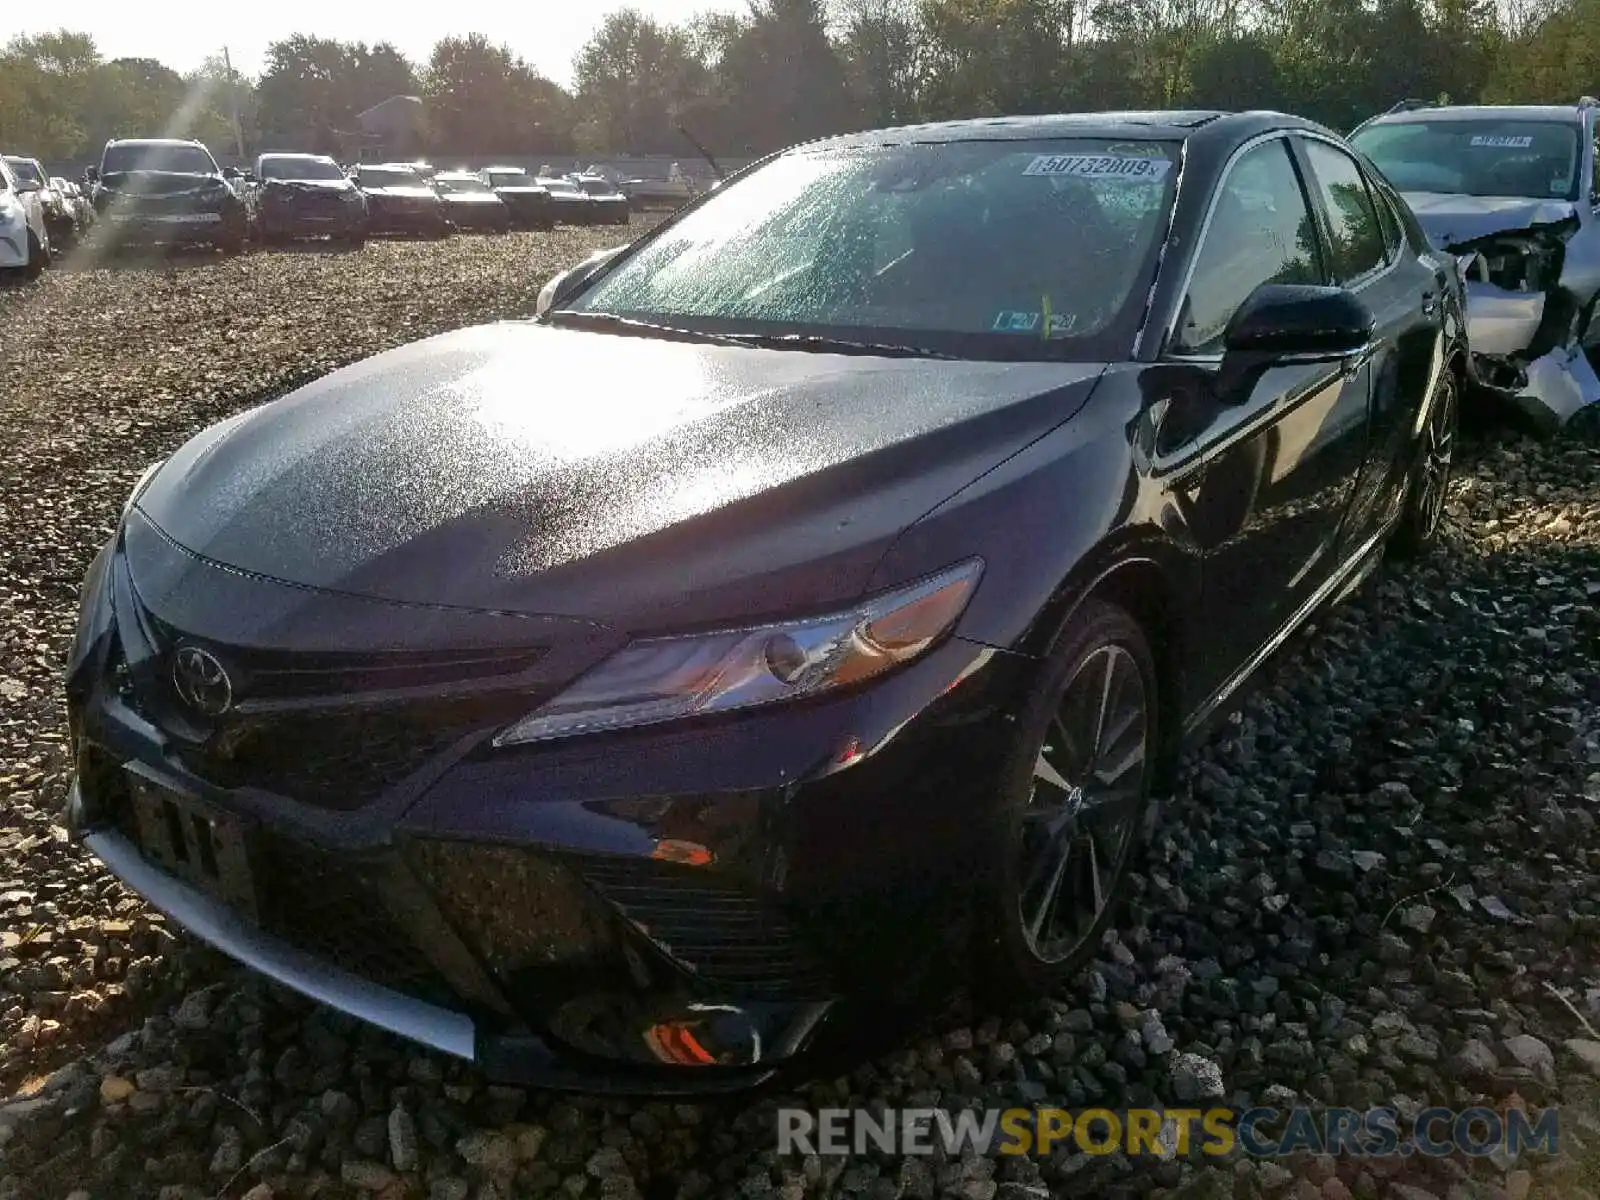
470 203
307 196
570 204
608 204
942 483
400 201
526 201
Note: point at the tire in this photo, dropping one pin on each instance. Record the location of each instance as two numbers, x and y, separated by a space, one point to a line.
38 257
356 241
232 246
1428 481
1051 827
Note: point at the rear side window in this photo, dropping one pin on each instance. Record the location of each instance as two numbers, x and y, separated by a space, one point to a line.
1260 232
1358 242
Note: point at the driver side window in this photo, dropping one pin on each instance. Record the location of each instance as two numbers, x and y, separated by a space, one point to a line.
1261 232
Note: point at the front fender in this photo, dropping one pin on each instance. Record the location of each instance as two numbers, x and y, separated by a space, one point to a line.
1054 522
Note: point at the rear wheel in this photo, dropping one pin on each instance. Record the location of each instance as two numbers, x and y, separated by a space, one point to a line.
1075 798
1430 473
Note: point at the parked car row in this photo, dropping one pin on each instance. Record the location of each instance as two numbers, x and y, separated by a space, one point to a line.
173 192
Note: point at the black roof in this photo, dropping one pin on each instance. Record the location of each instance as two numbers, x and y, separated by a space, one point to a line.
155 142
1168 125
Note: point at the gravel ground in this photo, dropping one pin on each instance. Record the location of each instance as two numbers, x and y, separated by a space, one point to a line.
1377 886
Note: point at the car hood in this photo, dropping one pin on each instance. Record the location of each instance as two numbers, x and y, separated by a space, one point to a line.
1451 220
403 193
164 183
307 185
675 482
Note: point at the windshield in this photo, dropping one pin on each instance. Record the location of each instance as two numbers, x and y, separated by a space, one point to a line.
460 183
559 185
158 156
1502 157
596 187
25 170
390 177
1038 249
297 167
510 179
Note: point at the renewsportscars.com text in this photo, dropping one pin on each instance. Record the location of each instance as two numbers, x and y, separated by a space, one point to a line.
1259 1132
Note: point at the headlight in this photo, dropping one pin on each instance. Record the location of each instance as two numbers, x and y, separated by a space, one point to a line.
145 478
665 679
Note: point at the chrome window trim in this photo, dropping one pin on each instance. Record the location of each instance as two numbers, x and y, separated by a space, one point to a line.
1171 325
1359 284
1390 261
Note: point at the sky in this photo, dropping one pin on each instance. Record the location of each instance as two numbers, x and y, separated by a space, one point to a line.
546 33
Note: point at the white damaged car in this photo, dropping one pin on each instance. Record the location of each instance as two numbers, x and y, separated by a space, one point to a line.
1511 191
24 241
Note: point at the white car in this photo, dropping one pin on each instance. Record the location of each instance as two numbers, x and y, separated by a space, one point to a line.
24 242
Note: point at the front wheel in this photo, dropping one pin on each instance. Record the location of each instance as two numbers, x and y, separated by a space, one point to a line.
1074 802
1429 481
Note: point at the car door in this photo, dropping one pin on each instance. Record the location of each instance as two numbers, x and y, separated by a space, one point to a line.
1280 451
1368 255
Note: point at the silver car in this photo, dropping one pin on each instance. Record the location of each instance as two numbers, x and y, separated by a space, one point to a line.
1510 190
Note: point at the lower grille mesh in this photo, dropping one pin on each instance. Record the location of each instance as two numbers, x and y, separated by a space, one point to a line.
731 937
315 901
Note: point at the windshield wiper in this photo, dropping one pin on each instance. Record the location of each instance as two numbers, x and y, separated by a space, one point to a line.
822 344
814 343
612 323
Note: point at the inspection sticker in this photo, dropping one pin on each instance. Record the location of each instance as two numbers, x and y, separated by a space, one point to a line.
1503 141
1016 322
1101 166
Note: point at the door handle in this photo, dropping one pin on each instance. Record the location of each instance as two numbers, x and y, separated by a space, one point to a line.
1430 303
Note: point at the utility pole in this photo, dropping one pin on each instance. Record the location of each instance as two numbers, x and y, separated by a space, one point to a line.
233 103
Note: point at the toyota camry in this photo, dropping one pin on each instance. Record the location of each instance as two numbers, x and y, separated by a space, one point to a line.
930 491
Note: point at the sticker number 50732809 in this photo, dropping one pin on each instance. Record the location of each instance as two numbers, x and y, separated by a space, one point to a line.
1101 166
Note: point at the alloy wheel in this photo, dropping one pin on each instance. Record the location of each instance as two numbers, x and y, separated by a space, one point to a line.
1438 449
1083 805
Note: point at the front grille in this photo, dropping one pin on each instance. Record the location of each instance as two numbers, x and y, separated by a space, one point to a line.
336 730
160 206
342 759
320 903
730 936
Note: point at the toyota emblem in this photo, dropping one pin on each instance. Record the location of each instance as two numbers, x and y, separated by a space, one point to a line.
202 682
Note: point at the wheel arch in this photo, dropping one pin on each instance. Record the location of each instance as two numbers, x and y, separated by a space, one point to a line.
1143 579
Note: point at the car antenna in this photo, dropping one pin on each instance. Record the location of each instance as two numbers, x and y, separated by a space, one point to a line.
704 153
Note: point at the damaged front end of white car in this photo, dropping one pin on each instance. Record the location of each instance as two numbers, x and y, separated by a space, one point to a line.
1531 284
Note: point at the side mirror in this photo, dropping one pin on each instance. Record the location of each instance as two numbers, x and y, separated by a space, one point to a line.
92 174
1284 319
568 281
1280 321
230 172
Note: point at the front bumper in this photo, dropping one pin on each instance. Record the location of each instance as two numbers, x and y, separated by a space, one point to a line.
478 216
190 228
389 218
296 221
672 911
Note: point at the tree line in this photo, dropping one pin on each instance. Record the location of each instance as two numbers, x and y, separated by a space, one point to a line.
787 70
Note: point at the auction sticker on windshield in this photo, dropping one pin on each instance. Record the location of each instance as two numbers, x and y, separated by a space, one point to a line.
1503 141
1101 166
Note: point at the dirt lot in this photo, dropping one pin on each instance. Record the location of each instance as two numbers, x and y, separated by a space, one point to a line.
1368 891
